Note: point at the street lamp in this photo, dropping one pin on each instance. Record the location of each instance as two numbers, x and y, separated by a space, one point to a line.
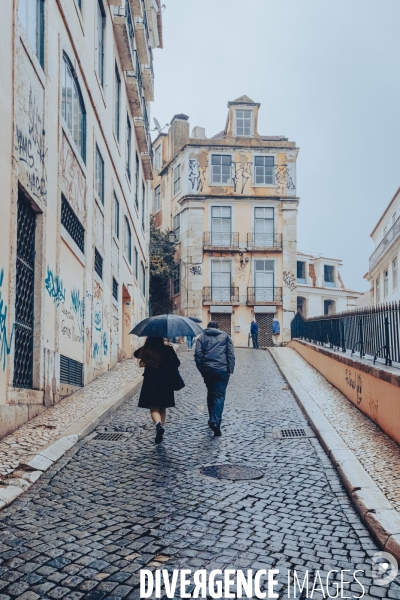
172 237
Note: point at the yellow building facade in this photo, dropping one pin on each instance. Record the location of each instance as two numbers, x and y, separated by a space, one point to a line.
231 200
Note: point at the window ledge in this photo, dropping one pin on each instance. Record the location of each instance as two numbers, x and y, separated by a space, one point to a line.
212 184
128 263
114 301
99 203
117 143
98 279
31 55
265 185
75 150
100 87
116 240
72 246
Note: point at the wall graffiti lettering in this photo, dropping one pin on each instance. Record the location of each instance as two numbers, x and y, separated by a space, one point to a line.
98 319
5 340
283 177
54 287
77 305
36 130
105 344
74 180
196 175
196 270
241 170
355 383
289 280
96 351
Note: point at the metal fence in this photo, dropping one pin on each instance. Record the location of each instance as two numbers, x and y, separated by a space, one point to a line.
371 331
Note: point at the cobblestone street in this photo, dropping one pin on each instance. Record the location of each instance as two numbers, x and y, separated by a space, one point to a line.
107 509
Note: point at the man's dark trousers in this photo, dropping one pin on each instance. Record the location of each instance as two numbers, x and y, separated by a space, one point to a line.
254 337
216 382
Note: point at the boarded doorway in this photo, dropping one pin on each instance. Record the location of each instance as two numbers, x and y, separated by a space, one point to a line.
223 320
264 322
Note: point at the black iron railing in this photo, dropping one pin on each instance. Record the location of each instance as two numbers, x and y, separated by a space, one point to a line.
147 128
129 19
220 240
139 77
144 18
264 240
221 294
373 332
391 235
264 294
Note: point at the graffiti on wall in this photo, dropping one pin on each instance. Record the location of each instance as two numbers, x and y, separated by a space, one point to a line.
55 287
77 305
5 338
105 344
283 178
241 173
30 146
197 175
289 280
195 270
355 382
74 182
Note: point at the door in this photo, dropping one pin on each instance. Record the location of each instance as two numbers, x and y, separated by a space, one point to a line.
221 226
221 280
264 280
264 322
263 226
223 320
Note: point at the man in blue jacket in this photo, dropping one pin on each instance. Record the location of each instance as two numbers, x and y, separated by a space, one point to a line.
254 333
276 330
215 359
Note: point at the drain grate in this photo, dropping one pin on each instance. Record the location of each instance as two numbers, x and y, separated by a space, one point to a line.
292 432
110 437
232 472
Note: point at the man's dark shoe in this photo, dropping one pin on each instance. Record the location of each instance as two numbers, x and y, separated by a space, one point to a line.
160 432
216 429
209 424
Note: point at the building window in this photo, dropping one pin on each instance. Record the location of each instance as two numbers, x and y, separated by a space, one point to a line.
378 290
176 279
221 280
79 3
100 37
177 180
137 182
243 122
31 15
221 168
99 173
116 216
301 305
73 109
264 170
143 205
264 226
264 280
157 199
221 226
127 240
128 147
176 225
72 224
301 271
385 283
329 307
394 273
117 102
329 276
115 288
142 279
71 371
157 158
136 263
98 263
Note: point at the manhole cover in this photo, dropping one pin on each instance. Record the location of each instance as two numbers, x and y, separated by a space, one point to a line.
110 437
292 432
232 472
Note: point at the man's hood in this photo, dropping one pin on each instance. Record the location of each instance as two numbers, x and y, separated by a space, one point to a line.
212 331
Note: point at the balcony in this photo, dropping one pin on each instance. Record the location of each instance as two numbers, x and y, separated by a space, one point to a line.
137 8
220 241
264 295
221 295
142 129
124 35
143 39
134 86
265 242
380 250
148 82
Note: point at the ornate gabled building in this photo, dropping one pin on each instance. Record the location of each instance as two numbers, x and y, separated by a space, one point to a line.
231 200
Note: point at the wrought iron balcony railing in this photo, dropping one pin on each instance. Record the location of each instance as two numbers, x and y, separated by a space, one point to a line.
213 239
391 235
146 25
264 240
221 294
264 294
147 128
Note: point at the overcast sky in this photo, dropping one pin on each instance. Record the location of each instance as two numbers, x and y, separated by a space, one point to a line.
327 74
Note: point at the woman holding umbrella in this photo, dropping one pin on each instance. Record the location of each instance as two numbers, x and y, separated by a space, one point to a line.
161 375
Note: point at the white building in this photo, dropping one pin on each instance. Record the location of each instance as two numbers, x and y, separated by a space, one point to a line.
320 289
383 273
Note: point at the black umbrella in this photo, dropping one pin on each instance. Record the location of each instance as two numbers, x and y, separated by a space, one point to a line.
167 326
195 319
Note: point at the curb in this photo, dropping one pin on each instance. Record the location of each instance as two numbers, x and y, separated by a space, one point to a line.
34 466
375 510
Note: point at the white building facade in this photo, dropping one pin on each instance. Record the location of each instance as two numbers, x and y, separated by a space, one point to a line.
75 165
383 272
320 289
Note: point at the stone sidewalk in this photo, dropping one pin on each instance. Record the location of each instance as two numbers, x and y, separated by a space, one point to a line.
378 454
44 429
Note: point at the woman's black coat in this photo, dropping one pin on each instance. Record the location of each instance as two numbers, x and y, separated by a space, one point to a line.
157 389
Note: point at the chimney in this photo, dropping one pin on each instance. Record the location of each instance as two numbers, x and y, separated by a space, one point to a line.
178 134
199 133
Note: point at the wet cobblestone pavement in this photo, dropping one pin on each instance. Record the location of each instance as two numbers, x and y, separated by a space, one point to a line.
107 509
